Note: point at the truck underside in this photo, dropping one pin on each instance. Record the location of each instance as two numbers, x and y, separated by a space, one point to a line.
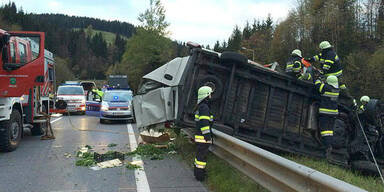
273 110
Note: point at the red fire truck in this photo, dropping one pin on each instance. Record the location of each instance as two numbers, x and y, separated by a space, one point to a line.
26 82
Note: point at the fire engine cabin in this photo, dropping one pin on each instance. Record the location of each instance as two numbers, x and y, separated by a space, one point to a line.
26 81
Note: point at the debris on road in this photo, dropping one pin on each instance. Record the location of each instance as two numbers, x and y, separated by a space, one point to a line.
110 163
95 168
109 155
134 165
152 136
153 152
112 145
82 151
67 155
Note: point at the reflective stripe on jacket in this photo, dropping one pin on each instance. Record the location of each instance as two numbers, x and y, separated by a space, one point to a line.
329 98
203 120
330 63
294 65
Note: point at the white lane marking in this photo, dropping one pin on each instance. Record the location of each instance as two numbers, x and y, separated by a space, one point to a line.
56 120
140 176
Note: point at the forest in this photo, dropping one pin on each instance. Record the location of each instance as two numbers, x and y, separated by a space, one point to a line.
354 27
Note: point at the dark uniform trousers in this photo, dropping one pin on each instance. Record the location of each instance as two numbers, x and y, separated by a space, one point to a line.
328 111
202 139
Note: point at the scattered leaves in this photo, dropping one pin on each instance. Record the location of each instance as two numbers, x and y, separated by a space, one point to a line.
131 166
112 145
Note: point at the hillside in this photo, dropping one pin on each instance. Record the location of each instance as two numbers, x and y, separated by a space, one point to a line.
109 37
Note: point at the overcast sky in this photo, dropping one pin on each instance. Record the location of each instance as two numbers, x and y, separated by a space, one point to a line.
201 21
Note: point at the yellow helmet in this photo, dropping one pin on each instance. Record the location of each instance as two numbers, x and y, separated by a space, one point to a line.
203 93
325 45
296 52
332 80
365 99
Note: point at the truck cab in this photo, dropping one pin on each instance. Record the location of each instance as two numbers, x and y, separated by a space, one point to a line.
26 79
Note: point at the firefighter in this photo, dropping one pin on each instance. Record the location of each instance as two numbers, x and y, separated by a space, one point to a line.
364 101
203 137
328 109
329 62
295 67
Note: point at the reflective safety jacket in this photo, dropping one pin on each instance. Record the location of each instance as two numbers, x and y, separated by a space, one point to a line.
98 93
330 63
329 98
203 120
294 65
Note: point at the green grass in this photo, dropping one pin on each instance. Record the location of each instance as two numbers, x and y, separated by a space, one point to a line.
108 36
355 178
220 175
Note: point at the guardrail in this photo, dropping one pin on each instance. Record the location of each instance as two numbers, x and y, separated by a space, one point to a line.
273 172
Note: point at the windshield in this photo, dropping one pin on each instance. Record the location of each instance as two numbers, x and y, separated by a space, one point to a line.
70 90
88 85
117 96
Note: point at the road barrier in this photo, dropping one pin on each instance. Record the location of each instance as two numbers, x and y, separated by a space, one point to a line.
273 172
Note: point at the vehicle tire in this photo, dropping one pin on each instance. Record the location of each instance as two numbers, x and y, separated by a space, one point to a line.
39 128
366 167
217 83
233 57
373 112
10 132
102 121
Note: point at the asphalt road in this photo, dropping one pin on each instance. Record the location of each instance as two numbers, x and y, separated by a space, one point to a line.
40 166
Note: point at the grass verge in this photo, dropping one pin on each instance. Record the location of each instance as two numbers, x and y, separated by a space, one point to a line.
220 175
353 177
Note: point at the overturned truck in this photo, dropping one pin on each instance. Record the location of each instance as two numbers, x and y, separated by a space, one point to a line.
258 104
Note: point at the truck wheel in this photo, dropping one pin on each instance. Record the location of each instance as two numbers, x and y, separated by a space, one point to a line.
214 82
233 57
10 132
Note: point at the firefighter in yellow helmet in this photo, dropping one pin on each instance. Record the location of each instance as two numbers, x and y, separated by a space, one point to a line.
329 62
203 137
294 66
364 101
328 109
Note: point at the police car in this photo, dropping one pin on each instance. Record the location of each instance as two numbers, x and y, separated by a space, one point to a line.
116 104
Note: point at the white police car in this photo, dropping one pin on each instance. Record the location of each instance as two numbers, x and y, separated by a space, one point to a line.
116 104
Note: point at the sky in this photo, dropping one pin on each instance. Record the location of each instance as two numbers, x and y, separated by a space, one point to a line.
200 21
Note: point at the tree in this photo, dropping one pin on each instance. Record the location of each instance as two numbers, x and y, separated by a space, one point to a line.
63 72
153 19
148 48
145 51
234 42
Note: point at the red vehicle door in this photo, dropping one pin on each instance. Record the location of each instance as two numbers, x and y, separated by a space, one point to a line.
22 62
